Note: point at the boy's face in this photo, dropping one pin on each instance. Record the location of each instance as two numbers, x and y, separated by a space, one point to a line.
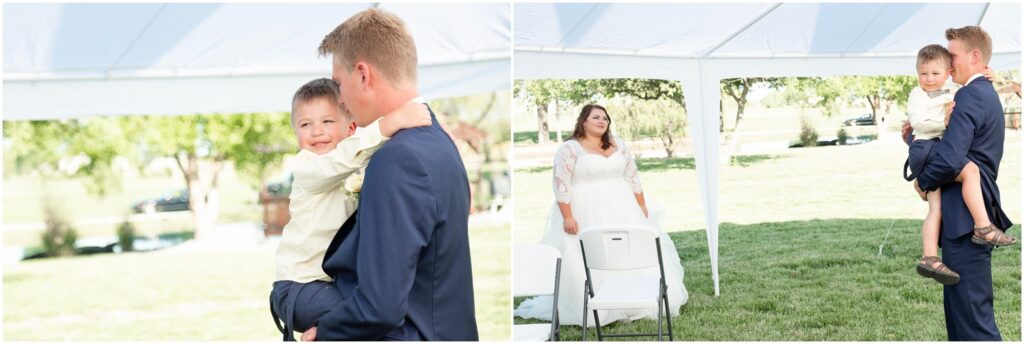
319 125
932 75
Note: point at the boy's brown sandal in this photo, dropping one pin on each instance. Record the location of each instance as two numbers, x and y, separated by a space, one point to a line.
998 239
940 272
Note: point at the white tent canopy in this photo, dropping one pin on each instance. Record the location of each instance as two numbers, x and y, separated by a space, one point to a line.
699 44
71 60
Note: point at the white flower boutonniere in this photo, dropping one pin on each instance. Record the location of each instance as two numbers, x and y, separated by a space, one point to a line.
354 184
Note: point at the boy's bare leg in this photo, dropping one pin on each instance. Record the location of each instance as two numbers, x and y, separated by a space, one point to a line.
930 228
970 178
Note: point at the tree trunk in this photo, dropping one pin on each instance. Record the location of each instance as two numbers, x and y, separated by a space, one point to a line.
874 101
542 123
203 201
732 138
558 127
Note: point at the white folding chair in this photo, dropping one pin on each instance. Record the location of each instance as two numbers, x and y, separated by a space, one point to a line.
536 272
622 248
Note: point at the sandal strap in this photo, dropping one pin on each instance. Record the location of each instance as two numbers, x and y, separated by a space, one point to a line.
931 260
999 237
985 230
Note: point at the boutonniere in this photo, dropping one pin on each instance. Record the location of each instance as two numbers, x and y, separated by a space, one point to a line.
354 184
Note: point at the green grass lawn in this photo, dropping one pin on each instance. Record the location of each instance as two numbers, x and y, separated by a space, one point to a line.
162 296
818 280
798 245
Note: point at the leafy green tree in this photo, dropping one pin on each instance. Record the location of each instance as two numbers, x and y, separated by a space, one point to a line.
738 89
542 93
877 91
200 144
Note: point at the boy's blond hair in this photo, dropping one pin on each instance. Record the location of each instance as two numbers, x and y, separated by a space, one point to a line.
973 37
377 37
322 88
934 52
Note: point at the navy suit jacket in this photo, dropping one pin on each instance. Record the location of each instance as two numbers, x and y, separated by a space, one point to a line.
403 264
976 131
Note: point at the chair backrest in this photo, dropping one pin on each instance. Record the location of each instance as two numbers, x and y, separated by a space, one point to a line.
534 269
619 247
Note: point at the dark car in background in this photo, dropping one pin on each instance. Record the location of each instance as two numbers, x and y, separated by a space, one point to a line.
175 200
862 120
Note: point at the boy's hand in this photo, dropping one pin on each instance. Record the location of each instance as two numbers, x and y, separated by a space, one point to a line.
410 115
906 132
924 195
989 74
949 111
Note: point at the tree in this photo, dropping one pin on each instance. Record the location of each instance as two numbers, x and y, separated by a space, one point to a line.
830 92
738 89
659 119
541 94
201 144
665 126
658 114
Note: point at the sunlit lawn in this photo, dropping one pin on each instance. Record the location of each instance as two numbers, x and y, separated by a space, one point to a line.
191 296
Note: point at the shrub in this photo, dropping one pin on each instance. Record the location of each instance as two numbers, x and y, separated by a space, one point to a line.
126 236
842 136
58 238
808 135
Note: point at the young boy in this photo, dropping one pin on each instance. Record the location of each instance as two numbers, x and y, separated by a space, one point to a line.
929 107
319 205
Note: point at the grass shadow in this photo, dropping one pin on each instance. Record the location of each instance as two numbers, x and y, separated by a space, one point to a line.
750 160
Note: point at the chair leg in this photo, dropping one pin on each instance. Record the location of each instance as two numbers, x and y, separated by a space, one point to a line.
584 312
668 316
597 326
659 322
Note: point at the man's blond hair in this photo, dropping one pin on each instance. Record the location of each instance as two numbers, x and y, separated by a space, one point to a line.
973 37
377 37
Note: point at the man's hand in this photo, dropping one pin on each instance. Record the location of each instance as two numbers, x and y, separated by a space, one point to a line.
922 193
309 335
410 115
905 132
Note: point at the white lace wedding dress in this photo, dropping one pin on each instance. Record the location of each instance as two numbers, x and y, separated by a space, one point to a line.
600 191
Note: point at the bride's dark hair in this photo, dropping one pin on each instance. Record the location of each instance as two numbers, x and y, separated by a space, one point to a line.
606 139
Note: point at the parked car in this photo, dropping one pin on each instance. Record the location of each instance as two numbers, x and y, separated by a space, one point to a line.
175 200
862 120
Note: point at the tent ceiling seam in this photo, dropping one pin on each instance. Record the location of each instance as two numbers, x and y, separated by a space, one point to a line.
137 37
984 12
866 27
741 30
573 29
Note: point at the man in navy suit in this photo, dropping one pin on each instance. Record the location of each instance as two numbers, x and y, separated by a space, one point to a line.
403 265
975 133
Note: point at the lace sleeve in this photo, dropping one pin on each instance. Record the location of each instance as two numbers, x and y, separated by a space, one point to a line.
565 163
630 174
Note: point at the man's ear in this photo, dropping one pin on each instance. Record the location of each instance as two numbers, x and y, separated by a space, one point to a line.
364 74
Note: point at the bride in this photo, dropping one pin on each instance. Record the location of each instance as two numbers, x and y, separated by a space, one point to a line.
596 183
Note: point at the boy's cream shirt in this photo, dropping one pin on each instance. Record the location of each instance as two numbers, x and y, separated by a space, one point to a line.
928 114
318 205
